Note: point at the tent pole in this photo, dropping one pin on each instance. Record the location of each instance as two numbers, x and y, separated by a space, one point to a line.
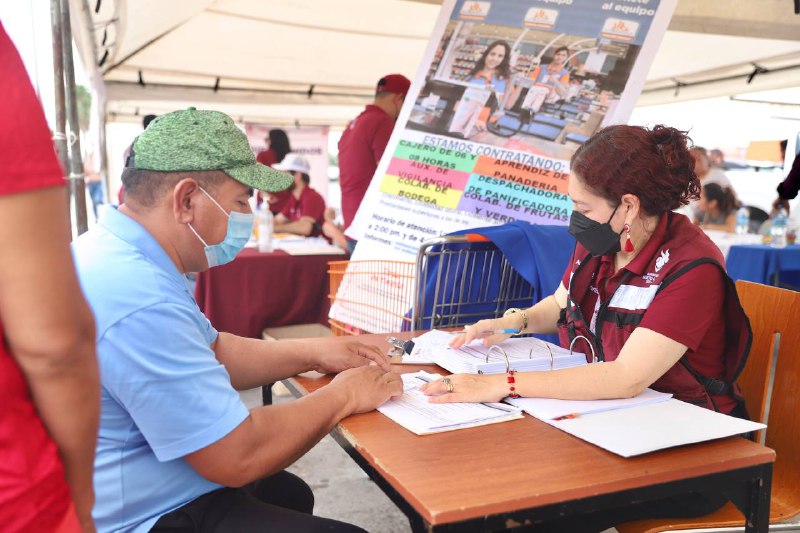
101 154
59 134
76 182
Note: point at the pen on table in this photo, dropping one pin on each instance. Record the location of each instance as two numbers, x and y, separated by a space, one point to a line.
567 417
500 407
503 331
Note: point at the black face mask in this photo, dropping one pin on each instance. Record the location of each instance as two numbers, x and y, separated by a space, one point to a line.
596 237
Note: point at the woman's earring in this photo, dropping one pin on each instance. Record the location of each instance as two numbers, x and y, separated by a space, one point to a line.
628 241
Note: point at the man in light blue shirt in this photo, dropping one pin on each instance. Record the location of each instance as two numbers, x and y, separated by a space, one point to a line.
175 440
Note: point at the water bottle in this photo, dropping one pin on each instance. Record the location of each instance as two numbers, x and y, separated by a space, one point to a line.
778 230
743 220
791 231
264 221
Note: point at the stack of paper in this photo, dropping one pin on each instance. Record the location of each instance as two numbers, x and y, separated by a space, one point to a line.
646 428
552 409
524 354
413 411
426 345
298 245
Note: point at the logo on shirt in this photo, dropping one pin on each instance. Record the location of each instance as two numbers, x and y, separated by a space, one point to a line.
662 260
650 277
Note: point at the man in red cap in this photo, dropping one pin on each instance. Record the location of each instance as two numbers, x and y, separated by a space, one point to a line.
363 142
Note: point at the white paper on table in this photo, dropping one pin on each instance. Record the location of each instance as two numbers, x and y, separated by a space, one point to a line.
416 360
724 240
415 413
424 347
551 408
298 245
643 429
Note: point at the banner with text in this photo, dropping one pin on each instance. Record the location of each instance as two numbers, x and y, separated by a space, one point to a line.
507 91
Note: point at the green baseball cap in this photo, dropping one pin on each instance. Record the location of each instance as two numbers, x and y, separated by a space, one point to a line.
203 140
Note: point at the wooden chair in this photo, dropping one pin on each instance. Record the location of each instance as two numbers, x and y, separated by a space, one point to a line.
770 383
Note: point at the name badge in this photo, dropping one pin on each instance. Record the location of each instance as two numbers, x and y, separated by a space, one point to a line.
633 298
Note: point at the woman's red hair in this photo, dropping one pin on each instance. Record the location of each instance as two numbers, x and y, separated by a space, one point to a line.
653 164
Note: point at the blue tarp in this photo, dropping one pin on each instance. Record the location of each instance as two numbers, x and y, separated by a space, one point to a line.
539 253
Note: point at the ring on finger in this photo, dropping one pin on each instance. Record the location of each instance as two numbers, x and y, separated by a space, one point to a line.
449 384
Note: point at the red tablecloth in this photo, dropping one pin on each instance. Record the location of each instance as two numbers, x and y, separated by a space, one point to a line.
259 290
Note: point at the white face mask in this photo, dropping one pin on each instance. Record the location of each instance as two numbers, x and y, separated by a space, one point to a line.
240 225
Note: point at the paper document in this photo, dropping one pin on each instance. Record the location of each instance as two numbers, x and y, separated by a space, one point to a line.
425 345
646 428
297 245
413 411
550 408
524 354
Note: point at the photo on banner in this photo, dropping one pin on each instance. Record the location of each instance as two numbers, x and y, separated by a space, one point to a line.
506 93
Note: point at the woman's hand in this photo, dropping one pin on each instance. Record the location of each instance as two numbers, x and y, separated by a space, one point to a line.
466 388
483 329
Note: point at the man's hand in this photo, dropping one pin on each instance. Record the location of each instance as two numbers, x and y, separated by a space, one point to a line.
339 357
368 387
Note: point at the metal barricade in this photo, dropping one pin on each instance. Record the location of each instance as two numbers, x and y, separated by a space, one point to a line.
457 280
464 278
376 298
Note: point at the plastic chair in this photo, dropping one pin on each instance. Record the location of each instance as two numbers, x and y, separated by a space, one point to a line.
769 383
757 217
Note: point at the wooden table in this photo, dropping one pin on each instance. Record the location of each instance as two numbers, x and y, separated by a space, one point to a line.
497 476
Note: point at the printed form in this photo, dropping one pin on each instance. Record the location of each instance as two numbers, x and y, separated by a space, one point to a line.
413 411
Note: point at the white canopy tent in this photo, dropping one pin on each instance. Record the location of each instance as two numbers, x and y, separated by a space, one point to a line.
316 61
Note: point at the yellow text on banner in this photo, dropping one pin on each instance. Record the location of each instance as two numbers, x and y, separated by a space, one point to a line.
414 190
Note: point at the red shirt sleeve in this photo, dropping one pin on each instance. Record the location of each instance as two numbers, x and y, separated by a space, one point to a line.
788 188
27 155
689 307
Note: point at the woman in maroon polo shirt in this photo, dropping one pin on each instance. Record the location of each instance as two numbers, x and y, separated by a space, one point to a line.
278 147
645 292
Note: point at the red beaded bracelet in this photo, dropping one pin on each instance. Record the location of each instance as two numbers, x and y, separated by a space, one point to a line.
511 380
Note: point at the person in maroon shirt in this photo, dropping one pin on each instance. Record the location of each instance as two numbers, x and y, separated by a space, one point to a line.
304 210
49 385
278 147
645 293
618 291
787 189
363 142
